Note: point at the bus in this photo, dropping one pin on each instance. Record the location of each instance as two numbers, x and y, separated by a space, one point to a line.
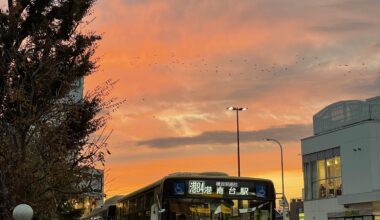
200 196
107 211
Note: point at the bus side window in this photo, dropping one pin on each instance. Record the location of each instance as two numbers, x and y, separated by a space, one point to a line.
140 207
111 212
149 200
125 210
132 209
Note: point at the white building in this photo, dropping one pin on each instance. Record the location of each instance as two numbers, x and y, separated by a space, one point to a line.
95 198
76 94
341 162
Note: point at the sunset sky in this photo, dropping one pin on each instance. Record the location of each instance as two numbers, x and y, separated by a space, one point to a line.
180 63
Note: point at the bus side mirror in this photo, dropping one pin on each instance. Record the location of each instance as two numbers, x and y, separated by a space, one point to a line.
155 211
159 207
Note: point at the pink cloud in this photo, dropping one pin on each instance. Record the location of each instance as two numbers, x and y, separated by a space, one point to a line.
180 64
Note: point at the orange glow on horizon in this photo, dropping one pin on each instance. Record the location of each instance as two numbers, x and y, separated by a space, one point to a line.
180 64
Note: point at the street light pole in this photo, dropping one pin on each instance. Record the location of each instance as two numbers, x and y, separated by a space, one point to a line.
237 109
238 142
282 169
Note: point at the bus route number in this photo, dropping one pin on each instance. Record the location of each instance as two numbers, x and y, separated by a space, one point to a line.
198 187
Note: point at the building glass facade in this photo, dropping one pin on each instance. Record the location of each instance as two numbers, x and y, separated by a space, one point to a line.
322 174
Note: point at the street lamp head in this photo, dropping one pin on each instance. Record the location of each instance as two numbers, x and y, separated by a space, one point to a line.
232 108
271 139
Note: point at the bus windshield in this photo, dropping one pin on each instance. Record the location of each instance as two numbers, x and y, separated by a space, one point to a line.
207 208
201 197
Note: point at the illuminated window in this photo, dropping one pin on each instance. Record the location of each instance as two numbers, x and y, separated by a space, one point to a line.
322 174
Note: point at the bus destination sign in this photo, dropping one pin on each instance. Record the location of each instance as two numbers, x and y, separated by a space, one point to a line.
221 188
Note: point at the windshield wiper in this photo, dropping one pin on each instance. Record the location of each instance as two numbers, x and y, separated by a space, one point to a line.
247 210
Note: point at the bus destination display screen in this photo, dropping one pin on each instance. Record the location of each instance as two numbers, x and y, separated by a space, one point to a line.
217 188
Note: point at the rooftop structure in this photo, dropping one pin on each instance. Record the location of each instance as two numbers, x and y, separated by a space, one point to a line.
346 113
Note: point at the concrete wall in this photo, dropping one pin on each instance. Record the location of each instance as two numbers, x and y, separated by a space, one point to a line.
374 152
318 209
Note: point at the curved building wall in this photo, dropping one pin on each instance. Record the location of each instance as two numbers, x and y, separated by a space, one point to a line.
344 113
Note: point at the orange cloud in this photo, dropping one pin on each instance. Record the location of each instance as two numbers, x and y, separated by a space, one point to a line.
129 176
180 64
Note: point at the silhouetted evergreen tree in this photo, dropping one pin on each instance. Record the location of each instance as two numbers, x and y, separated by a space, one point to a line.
45 146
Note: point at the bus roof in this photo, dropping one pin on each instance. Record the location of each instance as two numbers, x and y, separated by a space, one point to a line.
186 175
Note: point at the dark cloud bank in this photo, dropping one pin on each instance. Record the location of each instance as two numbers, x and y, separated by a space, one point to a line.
284 133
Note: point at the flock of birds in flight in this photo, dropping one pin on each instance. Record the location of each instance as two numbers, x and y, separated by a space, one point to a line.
228 68
201 65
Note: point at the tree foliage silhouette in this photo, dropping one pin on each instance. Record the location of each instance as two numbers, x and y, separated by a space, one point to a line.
46 146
